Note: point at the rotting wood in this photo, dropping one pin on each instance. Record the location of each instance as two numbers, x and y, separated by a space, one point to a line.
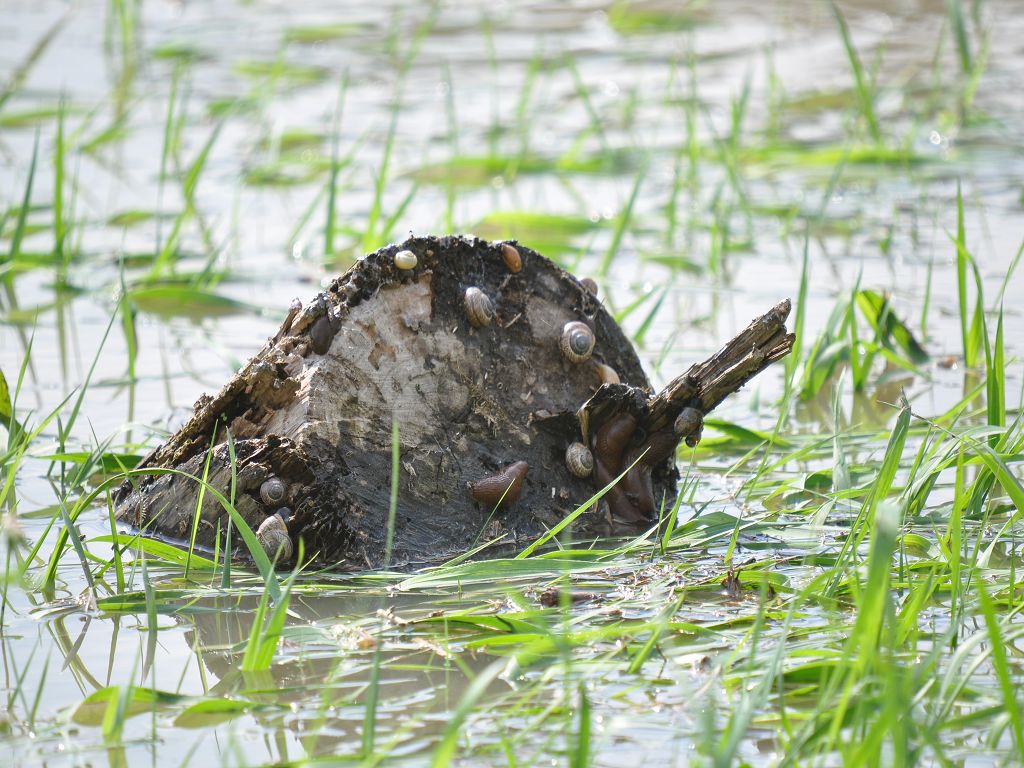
475 397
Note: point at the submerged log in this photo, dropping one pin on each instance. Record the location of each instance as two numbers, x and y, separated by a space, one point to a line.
515 396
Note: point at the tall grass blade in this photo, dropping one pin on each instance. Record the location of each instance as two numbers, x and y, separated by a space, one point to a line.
864 89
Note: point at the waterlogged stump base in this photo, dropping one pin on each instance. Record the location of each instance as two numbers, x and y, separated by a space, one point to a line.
487 394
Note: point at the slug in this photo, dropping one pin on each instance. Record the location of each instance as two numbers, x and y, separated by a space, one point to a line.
503 487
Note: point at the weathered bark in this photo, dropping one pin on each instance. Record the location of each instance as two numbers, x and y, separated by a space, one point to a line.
315 408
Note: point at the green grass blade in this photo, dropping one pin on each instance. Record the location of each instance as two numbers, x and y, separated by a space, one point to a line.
864 89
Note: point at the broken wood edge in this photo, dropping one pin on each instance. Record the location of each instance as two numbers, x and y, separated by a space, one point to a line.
629 431
705 385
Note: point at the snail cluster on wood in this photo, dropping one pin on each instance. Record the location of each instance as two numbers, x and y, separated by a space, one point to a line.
515 394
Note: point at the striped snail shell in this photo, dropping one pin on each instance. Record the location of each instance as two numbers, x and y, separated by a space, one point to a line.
577 341
579 460
479 309
273 491
510 255
405 260
688 425
273 535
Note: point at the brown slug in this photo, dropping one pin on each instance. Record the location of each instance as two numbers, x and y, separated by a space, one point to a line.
503 488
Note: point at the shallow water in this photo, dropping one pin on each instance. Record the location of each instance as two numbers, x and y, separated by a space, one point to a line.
573 107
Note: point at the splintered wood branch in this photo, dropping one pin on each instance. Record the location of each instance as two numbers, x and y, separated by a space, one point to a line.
705 385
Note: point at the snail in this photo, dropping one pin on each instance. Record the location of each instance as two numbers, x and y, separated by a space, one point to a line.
609 443
637 484
577 341
479 309
607 374
688 425
405 260
502 489
658 447
612 438
273 535
590 284
272 491
579 460
322 333
510 255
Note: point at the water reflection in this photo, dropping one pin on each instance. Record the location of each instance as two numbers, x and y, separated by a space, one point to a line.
335 648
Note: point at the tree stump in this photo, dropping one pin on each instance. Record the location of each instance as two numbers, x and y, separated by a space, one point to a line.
492 361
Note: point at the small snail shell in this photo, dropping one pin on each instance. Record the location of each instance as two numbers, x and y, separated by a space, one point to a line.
510 255
405 260
577 341
273 491
688 425
273 535
607 374
503 488
579 460
479 309
590 284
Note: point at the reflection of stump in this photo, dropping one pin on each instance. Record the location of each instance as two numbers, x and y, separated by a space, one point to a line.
334 661
471 401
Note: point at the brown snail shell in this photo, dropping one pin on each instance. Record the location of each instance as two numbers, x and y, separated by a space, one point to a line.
503 488
688 425
272 491
590 284
479 308
405 260
577 341
273 535
510 255
579 460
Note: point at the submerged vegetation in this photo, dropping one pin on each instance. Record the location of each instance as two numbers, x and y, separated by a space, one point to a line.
838 580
